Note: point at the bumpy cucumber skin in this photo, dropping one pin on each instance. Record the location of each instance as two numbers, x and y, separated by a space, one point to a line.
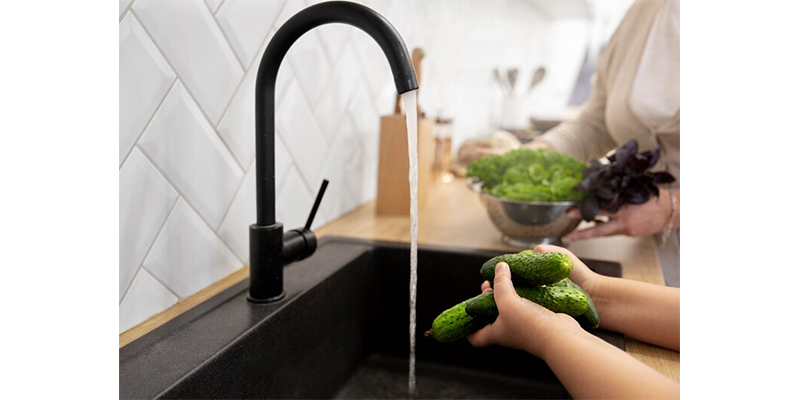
454 324
529 268
559 299
590 320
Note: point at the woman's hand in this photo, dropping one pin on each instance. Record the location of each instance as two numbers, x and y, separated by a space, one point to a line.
522 324
632 220
537 144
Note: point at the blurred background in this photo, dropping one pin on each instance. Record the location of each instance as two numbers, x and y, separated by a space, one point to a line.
186 135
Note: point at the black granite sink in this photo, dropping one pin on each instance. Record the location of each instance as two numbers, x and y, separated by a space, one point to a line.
341 332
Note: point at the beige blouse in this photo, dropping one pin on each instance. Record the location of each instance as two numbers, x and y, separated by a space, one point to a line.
606 120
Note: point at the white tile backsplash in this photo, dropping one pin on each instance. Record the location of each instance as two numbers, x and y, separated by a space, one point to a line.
294 202
378 74
213 5
195 46
242 213
234 228
301 134
144 78
338 168
331 107
188 68
238 125
366 124
187 255
145 298
290 8
145 199
310 65
283 161
190 153
123 4
246 24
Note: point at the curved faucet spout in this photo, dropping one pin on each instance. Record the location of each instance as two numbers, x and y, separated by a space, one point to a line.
364 18
266 235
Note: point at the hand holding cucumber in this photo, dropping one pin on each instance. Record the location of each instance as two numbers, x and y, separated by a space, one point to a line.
550 320
542 278
520 320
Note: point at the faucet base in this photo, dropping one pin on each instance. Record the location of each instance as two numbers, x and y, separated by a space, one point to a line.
267 300
266 263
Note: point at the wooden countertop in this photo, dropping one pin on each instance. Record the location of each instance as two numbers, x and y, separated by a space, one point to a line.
453 216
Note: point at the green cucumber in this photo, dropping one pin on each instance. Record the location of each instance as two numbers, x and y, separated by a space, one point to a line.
589 320
559 299
454 324
529 268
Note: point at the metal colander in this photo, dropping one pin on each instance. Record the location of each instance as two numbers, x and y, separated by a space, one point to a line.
528 223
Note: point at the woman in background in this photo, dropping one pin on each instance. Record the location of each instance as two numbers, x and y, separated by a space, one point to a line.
635 95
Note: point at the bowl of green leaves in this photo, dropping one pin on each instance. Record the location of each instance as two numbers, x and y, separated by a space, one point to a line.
528 194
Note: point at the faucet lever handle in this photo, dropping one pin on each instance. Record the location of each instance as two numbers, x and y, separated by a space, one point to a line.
316 204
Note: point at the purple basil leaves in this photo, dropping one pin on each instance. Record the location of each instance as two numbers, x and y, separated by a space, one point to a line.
625 179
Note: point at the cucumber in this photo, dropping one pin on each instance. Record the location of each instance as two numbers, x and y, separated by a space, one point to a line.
589 320
529 268
559 299
454 324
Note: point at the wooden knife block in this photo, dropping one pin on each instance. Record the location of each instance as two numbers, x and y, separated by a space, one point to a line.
393 188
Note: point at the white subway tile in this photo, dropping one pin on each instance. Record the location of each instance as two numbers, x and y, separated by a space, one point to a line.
290 8
332 105
246 24
144 78
361 176
123 4
188 256
185 147
234 229
294 202
242 213
214 5
238 126
195 46
366 123
338 169
146 297
283 162
145 199
376 67
333 35
298 128
310 65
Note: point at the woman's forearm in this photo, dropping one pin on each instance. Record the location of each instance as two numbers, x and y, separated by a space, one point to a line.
588 367
646 312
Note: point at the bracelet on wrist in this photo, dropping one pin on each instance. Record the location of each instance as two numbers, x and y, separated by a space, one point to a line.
673 203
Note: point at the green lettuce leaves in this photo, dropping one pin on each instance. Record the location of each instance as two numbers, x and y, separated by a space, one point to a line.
530 175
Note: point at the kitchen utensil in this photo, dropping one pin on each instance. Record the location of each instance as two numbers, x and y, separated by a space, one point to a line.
528 223
538 75
502 82
442 134
512 79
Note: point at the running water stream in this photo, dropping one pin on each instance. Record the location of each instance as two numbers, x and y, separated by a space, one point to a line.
410 106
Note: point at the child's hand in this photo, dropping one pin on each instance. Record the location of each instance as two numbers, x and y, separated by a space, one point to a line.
522 324
581 274
587 279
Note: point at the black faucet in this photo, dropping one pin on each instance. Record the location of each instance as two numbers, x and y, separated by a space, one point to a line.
270 249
